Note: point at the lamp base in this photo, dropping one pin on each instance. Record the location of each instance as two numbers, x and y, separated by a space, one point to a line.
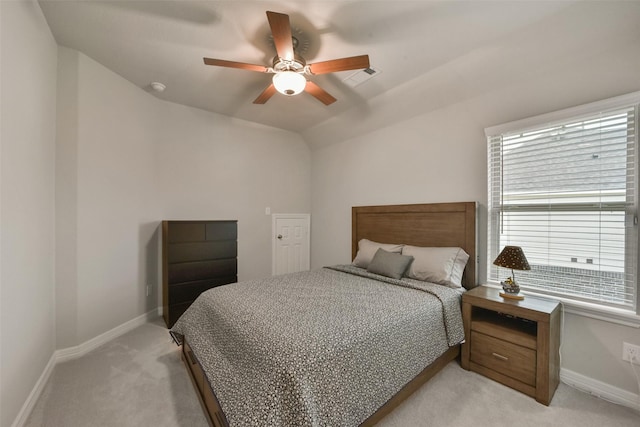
511 296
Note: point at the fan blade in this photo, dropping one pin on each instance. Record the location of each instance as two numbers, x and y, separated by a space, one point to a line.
343 64
233 64
319 93
281 31
265 95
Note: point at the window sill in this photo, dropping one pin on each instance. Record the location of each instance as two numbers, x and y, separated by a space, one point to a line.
593 311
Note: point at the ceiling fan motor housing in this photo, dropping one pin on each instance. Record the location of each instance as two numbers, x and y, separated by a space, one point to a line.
297 64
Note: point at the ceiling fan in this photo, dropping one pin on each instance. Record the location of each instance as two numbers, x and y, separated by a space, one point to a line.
289 68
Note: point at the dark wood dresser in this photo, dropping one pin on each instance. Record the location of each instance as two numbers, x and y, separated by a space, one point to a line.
196 256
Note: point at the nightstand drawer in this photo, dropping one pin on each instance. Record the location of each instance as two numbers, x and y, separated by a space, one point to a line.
509 359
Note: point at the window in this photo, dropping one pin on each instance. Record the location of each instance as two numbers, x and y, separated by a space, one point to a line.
564 187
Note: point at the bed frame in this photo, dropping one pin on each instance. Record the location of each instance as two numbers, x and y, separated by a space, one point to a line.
438 224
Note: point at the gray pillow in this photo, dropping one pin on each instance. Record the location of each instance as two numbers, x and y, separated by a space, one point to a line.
389 264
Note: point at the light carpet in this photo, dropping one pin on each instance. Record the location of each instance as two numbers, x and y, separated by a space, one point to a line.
138 379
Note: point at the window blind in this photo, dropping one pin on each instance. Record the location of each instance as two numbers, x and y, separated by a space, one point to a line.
566 192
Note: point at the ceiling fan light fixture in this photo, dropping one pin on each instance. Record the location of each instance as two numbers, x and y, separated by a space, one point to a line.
289 83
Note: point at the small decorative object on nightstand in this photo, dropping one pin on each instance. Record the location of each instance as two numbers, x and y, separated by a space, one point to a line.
512 257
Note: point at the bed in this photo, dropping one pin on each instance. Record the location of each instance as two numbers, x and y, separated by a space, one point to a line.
335 346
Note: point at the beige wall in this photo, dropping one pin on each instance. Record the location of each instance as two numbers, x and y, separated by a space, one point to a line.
127 160
27 151
436 152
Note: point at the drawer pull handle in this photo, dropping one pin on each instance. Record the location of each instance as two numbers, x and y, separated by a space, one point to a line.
499 356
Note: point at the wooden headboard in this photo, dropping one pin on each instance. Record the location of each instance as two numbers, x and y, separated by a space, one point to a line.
430 225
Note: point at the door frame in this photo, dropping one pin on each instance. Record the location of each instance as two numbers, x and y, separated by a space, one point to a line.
274 219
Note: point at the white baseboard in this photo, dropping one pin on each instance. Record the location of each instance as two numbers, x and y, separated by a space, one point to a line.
71 353
35 393
599 389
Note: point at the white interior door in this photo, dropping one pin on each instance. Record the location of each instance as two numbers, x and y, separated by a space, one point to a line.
291 243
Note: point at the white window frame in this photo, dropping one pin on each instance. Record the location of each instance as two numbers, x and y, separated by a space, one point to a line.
594 310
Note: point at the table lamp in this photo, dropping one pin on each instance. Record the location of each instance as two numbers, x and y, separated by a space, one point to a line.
512 257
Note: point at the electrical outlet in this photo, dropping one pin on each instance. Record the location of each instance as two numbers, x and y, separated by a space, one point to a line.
148 290
631 351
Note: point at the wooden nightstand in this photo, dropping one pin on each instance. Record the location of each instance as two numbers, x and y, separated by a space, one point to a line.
513 342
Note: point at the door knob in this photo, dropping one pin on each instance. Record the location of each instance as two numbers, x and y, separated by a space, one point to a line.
280 236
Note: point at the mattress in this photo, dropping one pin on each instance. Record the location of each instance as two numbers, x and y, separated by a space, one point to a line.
326 347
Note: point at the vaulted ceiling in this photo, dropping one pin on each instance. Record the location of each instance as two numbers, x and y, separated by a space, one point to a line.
475 42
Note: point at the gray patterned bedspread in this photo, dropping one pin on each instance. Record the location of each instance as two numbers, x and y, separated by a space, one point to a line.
319 348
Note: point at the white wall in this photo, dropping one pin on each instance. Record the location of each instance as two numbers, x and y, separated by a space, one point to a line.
117 203
127 160
424 142
107 204
27 144
214 167
422 160
66 182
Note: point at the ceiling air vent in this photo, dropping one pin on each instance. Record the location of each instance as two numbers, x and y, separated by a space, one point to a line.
361 76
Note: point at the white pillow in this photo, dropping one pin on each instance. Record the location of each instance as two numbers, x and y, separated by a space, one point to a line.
367 249
443 266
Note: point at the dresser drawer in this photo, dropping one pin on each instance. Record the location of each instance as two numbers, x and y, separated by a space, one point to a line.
507 358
